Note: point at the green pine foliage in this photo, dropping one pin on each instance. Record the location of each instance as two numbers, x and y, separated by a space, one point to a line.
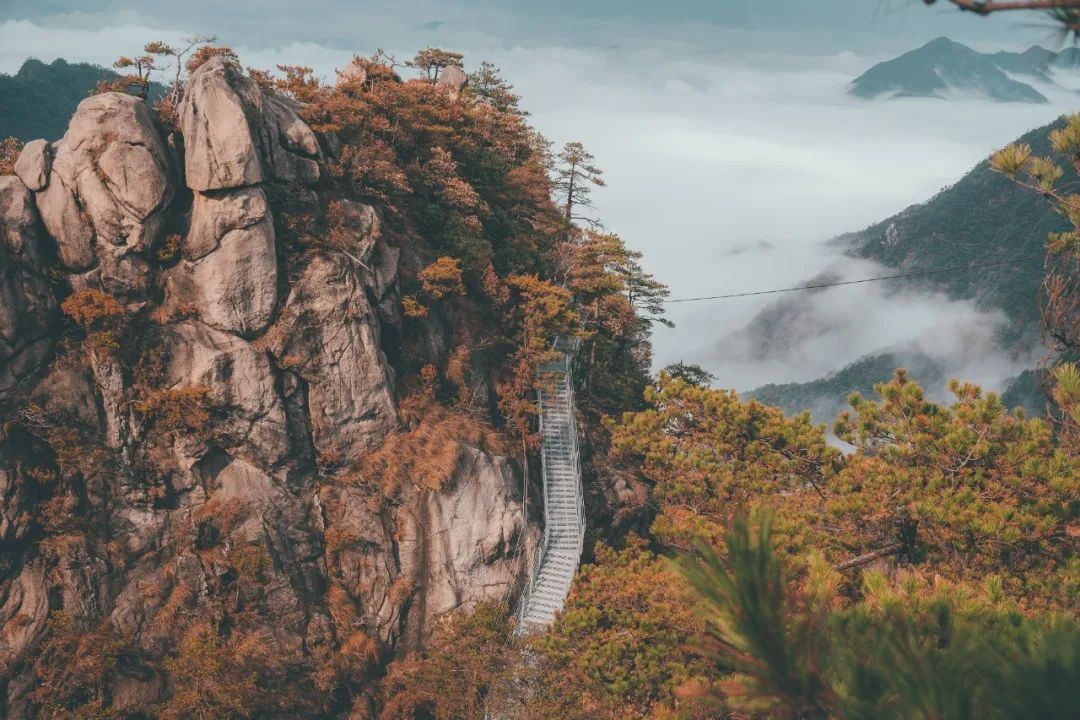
906 649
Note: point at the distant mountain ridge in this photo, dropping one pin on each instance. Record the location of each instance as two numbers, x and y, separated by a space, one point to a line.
39 100
943 66
826 396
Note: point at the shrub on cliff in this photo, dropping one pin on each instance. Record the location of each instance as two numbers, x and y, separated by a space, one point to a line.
9 153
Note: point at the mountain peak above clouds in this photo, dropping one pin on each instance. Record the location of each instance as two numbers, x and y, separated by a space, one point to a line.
944 67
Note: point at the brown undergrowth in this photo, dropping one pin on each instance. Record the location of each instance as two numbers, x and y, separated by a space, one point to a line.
429 452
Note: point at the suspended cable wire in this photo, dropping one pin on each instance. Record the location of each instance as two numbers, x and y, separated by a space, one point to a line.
914 273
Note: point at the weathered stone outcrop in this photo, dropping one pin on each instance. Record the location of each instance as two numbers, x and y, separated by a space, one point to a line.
437 551
34 164
452 79
24 614
27 305
328 335
238 380
214 215
108 190
236 135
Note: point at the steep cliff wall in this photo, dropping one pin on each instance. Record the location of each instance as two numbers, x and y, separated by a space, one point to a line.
180 394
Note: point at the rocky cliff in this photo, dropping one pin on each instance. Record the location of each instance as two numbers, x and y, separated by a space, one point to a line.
179 393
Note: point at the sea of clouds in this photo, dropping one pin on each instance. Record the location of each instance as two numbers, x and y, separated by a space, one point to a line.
729 167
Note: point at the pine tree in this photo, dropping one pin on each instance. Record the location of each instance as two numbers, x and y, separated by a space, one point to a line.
431 61
575 177
487 84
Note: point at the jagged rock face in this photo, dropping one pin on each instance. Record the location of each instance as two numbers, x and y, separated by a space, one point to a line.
477 527
236 138
214 215
27 305
288 366
329 336
238 377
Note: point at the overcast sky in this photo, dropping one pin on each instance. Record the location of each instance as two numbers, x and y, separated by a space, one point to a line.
713 25
732 150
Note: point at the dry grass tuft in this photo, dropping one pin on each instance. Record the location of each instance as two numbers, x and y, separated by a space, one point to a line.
429 454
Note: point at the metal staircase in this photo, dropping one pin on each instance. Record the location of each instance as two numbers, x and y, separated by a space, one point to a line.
557 558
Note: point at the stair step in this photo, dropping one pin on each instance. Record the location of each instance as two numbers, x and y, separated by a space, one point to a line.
545 605
564 570
553 597
558 578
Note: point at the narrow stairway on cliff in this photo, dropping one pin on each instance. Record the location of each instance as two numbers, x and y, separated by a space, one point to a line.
564 517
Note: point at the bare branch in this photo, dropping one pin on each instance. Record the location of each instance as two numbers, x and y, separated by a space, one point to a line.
986 7
869 557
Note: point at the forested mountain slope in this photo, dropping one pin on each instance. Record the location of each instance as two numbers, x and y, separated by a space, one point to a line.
984 218
40 98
